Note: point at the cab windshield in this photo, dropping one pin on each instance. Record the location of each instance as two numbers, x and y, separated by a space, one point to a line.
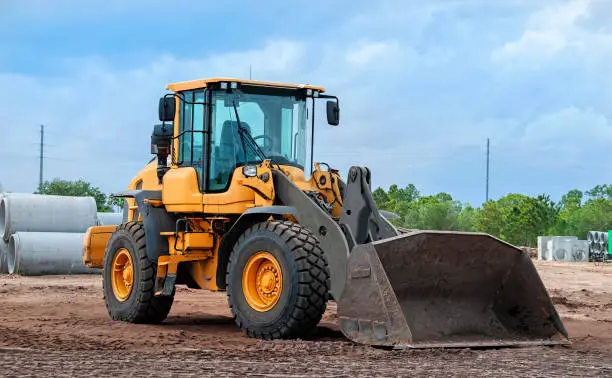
277 123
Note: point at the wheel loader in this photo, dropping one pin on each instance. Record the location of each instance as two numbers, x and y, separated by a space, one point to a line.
226 205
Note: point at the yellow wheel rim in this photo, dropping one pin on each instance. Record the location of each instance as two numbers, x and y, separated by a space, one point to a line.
122 276
262 281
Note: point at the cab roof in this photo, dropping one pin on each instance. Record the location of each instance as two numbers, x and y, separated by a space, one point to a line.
202 83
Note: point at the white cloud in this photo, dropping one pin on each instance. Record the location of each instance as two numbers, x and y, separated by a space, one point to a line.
98 118
419 97
367 52
569 131
550 30
533 44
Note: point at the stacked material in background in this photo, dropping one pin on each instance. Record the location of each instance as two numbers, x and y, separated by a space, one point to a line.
562 248
3 253
543 252
109 219
3 249
43 234
598 245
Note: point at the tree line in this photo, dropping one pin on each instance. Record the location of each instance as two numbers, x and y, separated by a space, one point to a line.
516 218
81 188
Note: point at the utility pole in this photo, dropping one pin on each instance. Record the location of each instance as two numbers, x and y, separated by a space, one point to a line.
487 183
42 142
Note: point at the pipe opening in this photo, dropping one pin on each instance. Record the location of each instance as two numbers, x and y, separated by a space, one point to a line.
3 217
3 253
11 255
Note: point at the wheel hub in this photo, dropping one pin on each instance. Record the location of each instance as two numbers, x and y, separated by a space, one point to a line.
122 275
262 281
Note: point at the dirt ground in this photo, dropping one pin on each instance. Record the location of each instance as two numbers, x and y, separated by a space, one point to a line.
58 326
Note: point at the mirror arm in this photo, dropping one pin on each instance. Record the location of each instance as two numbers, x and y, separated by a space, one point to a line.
330 97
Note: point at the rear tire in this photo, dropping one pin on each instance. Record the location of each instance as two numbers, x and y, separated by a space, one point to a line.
135 302
305 281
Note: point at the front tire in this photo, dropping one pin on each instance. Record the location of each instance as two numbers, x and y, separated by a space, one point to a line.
129 276
278 281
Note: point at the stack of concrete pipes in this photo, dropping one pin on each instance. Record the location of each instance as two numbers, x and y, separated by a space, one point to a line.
43 234
598 245
562 248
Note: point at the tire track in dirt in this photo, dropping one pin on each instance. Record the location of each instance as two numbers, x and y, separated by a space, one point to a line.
58 326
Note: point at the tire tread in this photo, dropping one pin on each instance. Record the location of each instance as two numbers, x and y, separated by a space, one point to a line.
312 287
147 308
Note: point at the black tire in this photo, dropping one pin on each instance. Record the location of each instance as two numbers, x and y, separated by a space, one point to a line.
142 306
305 281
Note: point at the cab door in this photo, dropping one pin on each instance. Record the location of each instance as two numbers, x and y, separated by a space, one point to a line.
184 184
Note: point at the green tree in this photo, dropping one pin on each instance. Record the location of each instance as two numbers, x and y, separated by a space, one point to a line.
518 218
600 191
569 204
489 219
115 203
78 188
582 212
407 194
594 215
571 200
468 218
439 212
396 200
381 198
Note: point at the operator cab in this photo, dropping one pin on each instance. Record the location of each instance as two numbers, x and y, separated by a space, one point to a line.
222 124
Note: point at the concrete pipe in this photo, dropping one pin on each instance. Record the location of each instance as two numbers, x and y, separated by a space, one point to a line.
3 256
42 213
46 253
109 219
595 246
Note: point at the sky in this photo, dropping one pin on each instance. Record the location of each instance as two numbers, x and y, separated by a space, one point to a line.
422 85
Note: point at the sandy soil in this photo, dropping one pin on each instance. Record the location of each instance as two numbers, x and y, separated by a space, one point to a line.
59 326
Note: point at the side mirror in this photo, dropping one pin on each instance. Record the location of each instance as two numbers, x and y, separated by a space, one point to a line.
166 109
161 139
333 113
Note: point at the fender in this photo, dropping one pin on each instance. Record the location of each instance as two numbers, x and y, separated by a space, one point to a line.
154 220
247 219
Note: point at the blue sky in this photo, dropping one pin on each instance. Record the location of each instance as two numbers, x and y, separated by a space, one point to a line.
422 85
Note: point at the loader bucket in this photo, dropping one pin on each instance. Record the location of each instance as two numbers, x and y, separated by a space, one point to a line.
446 289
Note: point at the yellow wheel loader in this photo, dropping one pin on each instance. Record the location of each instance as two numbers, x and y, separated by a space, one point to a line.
226 206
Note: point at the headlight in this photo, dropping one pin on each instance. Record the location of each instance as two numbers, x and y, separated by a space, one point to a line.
249 170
